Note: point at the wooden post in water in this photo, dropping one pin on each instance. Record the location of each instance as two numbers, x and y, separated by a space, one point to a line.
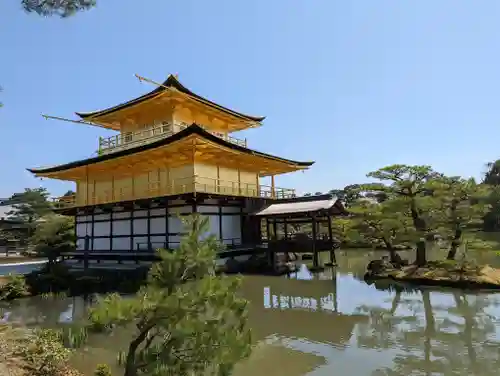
271 245
275 242
333 258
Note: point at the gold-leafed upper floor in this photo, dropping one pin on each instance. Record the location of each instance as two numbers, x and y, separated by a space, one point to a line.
171 100
98 193
151 134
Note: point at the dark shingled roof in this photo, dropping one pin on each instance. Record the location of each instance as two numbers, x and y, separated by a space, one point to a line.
193 129
170 82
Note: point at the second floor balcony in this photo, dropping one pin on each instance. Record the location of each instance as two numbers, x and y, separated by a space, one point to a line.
151 134
190 184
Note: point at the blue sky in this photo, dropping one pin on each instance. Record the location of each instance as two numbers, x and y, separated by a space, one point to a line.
352 85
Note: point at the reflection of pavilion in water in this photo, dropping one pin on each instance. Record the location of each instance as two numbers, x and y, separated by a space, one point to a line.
299 309
325 303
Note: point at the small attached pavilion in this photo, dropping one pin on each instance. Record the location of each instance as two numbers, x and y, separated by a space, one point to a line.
302 225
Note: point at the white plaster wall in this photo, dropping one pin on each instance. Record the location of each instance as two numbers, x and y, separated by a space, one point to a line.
158 241
231 229
101 244
101 217
213 226
141 213
83 218
121 244
140 243
159 211
207 209
102 228
140 226
83 229
173 241
121 215
121 227
157 225
80 244
181 210
175 224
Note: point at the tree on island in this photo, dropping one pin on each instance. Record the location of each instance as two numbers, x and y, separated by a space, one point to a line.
386 224
410 186
348 195
462 204
417 204
187 320
491 221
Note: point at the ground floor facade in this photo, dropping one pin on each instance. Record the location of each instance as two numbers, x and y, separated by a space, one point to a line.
152 224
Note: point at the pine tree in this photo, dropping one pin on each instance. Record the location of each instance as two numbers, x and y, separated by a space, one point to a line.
187 320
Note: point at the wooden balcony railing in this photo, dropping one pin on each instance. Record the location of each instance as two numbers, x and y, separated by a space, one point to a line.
145 136
179 186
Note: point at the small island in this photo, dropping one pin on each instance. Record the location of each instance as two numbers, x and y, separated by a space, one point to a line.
465 275
416 207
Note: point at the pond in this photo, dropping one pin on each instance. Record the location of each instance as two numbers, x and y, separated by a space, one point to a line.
333 323
20 267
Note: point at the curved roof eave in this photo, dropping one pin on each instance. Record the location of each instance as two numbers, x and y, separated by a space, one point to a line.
173 82
193 129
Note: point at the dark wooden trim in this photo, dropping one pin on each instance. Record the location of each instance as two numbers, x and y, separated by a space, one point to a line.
132 228
92 232
148 226
111 231
242 224
220 221
167 234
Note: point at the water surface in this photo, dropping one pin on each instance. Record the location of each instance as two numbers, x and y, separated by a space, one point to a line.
332 323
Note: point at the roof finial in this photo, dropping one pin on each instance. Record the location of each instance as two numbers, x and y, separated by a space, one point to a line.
176 75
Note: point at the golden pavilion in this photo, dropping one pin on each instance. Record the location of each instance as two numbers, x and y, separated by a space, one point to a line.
174 153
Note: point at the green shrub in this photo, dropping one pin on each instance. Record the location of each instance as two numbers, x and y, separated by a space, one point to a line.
14 287
102 370
43 353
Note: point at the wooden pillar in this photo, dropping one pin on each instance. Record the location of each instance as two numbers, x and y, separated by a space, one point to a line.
333 258
268 230
314 239
270 245
273 187
86 253
217 184
86 185
287 245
